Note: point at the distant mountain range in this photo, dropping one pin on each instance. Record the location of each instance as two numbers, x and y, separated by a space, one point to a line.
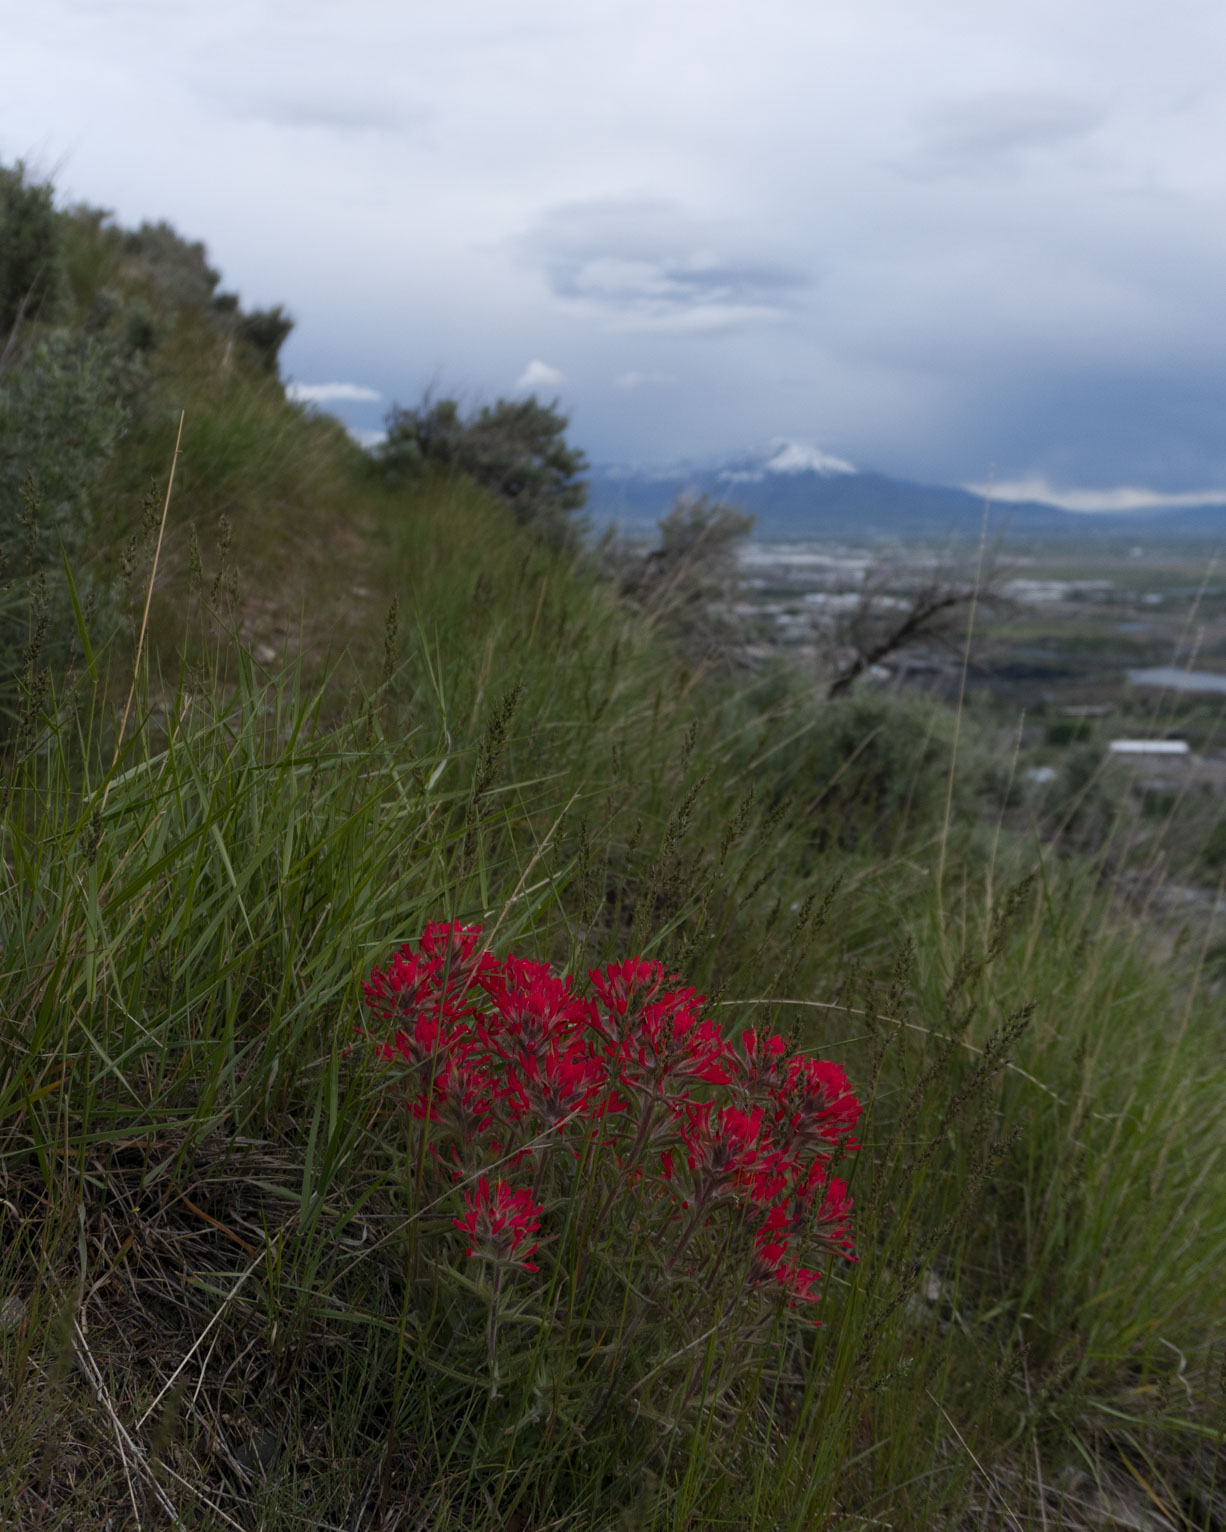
796 492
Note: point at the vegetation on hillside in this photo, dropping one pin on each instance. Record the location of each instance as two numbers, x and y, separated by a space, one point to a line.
514 448
370 702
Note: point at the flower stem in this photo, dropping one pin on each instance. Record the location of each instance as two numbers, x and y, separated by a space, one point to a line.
687 1234
492 1331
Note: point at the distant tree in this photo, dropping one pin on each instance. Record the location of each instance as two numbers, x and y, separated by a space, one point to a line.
896 611
263 332
515 448
688 581
431 433
695 559
30 248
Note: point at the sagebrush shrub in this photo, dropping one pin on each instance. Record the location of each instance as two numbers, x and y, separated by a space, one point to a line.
515 448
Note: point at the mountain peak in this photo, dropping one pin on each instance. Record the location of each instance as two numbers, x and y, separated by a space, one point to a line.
803 457
784 456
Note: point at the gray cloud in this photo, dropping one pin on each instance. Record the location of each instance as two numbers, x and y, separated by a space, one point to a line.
1080 425
933 239
323 107
645 265
994 132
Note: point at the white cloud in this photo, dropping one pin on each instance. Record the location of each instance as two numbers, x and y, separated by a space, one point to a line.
632 380
367 436
1121 499
540 375
331 393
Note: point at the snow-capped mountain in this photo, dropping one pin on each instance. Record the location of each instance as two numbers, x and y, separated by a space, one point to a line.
786 457
796 490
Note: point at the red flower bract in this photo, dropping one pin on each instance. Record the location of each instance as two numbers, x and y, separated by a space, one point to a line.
554 1088
726 1147
622 987
503 1062
815 1102
498 1220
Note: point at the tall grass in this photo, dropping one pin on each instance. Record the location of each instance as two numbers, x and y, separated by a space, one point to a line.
207 1226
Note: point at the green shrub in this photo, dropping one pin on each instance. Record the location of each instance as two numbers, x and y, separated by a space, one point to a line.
62 414
873 763
263 332
689 580
515 448
30 250
179 266
1213 853
1084 804
1067 731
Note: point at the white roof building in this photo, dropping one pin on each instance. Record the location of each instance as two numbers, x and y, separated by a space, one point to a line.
1143 747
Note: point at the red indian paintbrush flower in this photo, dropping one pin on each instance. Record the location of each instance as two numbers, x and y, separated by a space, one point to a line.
565 1082
725 1147
497 1220
815 1103
623 987
506 1063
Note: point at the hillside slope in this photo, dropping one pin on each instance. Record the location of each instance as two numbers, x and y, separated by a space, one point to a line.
227 1298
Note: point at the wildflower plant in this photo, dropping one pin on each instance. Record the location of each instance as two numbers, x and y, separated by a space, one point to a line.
650 1198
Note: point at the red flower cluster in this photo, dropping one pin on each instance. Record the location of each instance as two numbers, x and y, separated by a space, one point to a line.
498 1221
506 1062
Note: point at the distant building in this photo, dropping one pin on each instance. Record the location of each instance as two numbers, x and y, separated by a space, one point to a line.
1150 747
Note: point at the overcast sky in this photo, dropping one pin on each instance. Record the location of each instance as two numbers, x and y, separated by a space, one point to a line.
942 239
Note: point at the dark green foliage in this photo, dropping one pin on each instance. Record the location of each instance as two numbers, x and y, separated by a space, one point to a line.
1069 731
690 578
874 764
431 433
697 552
515 448
263 332
62 412
179 266
30 254
1084 804
140 331
1213 854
